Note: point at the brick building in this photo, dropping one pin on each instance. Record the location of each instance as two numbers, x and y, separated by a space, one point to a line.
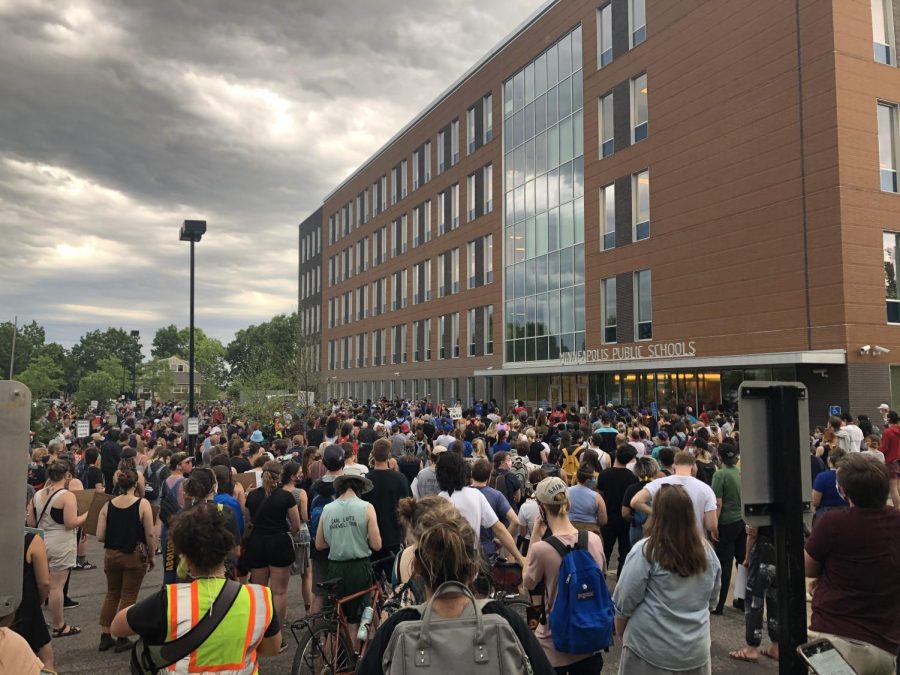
502 244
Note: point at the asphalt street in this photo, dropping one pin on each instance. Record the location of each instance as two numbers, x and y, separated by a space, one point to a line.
78 654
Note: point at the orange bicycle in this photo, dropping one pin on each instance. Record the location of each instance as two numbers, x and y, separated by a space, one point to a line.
324 644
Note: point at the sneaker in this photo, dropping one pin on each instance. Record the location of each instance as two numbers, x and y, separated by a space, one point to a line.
85 565
106 642
122 645
69 603
738 603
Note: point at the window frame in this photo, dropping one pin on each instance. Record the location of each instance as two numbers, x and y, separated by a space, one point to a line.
635 206
637 35
888 56
607 235
601 50
892 110
639 131
638 319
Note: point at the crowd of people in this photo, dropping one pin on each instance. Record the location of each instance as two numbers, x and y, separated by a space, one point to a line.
440 503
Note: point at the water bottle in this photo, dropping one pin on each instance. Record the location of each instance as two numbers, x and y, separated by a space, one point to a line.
364 622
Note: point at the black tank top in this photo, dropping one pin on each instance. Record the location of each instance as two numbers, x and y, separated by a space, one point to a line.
124 528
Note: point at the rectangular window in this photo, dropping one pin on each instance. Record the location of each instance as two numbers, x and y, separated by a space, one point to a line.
395 185
470 315
637 21
890 245
361 350
427 324
442 328
608 216
442 264
362 306
640 216
607 128
489 259
487 106
427 160
470 264
604 36
400 236
454 206
887 145
383 193
454 142
415 169
489 329
470 130
608 309
639 108
403 177
488 188
454 261
442 212
470 197
454 335
441 161
882 31
643 305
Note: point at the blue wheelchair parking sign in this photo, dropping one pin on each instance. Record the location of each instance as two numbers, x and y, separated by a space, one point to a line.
834 410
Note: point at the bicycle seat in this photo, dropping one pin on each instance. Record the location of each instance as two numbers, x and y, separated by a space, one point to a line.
329 584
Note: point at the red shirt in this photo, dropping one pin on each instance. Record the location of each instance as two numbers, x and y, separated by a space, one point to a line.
890 443
858 593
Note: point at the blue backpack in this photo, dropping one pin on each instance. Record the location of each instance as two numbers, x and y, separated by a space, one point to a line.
315 513
581 620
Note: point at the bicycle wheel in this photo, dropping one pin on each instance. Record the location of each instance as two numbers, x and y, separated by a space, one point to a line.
316 653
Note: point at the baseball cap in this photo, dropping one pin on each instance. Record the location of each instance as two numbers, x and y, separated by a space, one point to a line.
215 430
551 491
333 457
438 449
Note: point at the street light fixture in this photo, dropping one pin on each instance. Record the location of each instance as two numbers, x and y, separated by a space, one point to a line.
192 231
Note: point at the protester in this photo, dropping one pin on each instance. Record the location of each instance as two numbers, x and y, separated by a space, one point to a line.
890 447
388 488
445 551
731 546
29 619
646 469
125 528
852 556
587 510
249 629
667 588
612 485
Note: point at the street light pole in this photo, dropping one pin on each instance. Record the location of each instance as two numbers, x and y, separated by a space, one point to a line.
192 231
135 335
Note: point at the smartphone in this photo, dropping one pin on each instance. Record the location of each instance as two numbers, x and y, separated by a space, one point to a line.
824 658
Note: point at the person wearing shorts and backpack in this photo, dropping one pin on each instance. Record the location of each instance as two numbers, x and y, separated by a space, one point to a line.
542 567
445 552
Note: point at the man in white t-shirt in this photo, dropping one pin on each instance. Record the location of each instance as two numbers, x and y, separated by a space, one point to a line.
453 478
855 433
701 494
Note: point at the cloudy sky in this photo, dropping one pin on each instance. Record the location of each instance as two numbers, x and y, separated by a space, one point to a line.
119 119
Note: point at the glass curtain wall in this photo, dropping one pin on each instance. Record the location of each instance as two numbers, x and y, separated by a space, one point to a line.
543 147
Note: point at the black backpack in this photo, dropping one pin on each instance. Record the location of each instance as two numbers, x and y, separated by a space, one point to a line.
154 481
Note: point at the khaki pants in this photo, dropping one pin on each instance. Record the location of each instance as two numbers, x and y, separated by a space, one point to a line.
124 574
865 658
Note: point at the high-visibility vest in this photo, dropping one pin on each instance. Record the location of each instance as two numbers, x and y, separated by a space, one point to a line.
231 649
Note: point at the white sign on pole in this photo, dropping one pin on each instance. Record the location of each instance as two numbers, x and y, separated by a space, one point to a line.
147 404
193 426
456 413
82 429
94 405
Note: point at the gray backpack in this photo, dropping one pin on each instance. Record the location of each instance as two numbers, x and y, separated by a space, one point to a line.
472 643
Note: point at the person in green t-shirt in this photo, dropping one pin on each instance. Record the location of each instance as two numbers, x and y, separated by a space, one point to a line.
726 484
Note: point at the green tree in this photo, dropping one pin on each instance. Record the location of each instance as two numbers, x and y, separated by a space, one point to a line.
209 360
265 352
168 342
157 377
61 356
29 339
111 343
98 386
43 376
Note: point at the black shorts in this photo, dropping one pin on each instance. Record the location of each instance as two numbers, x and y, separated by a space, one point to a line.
268 550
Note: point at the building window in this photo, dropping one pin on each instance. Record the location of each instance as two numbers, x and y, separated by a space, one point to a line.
471 330
400 236
608 216
487 106
887 145
442 328
489 259
882 31
607 128
395 185
604 36
644 305
640 191
488 188
454 142
891 241
470 131
362 309
608 309
454 335
470 197
441 161
427 161
415 169
637 21
639 108
454 206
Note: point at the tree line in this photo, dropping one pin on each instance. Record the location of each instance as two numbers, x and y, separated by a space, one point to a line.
264 357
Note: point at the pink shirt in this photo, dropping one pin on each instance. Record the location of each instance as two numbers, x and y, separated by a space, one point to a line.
543 563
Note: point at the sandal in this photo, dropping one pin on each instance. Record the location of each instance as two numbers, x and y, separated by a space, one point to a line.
741 655
66 631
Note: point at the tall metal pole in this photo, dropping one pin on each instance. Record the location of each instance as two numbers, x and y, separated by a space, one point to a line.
12 356
191 352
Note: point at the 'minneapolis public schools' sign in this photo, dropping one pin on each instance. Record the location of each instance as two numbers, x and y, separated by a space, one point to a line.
657 350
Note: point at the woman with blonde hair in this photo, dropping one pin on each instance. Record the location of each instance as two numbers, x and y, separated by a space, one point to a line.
478 451
667 588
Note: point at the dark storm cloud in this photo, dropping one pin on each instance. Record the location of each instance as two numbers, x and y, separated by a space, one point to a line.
120 119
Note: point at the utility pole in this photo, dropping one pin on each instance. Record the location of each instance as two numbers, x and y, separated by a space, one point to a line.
12 356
